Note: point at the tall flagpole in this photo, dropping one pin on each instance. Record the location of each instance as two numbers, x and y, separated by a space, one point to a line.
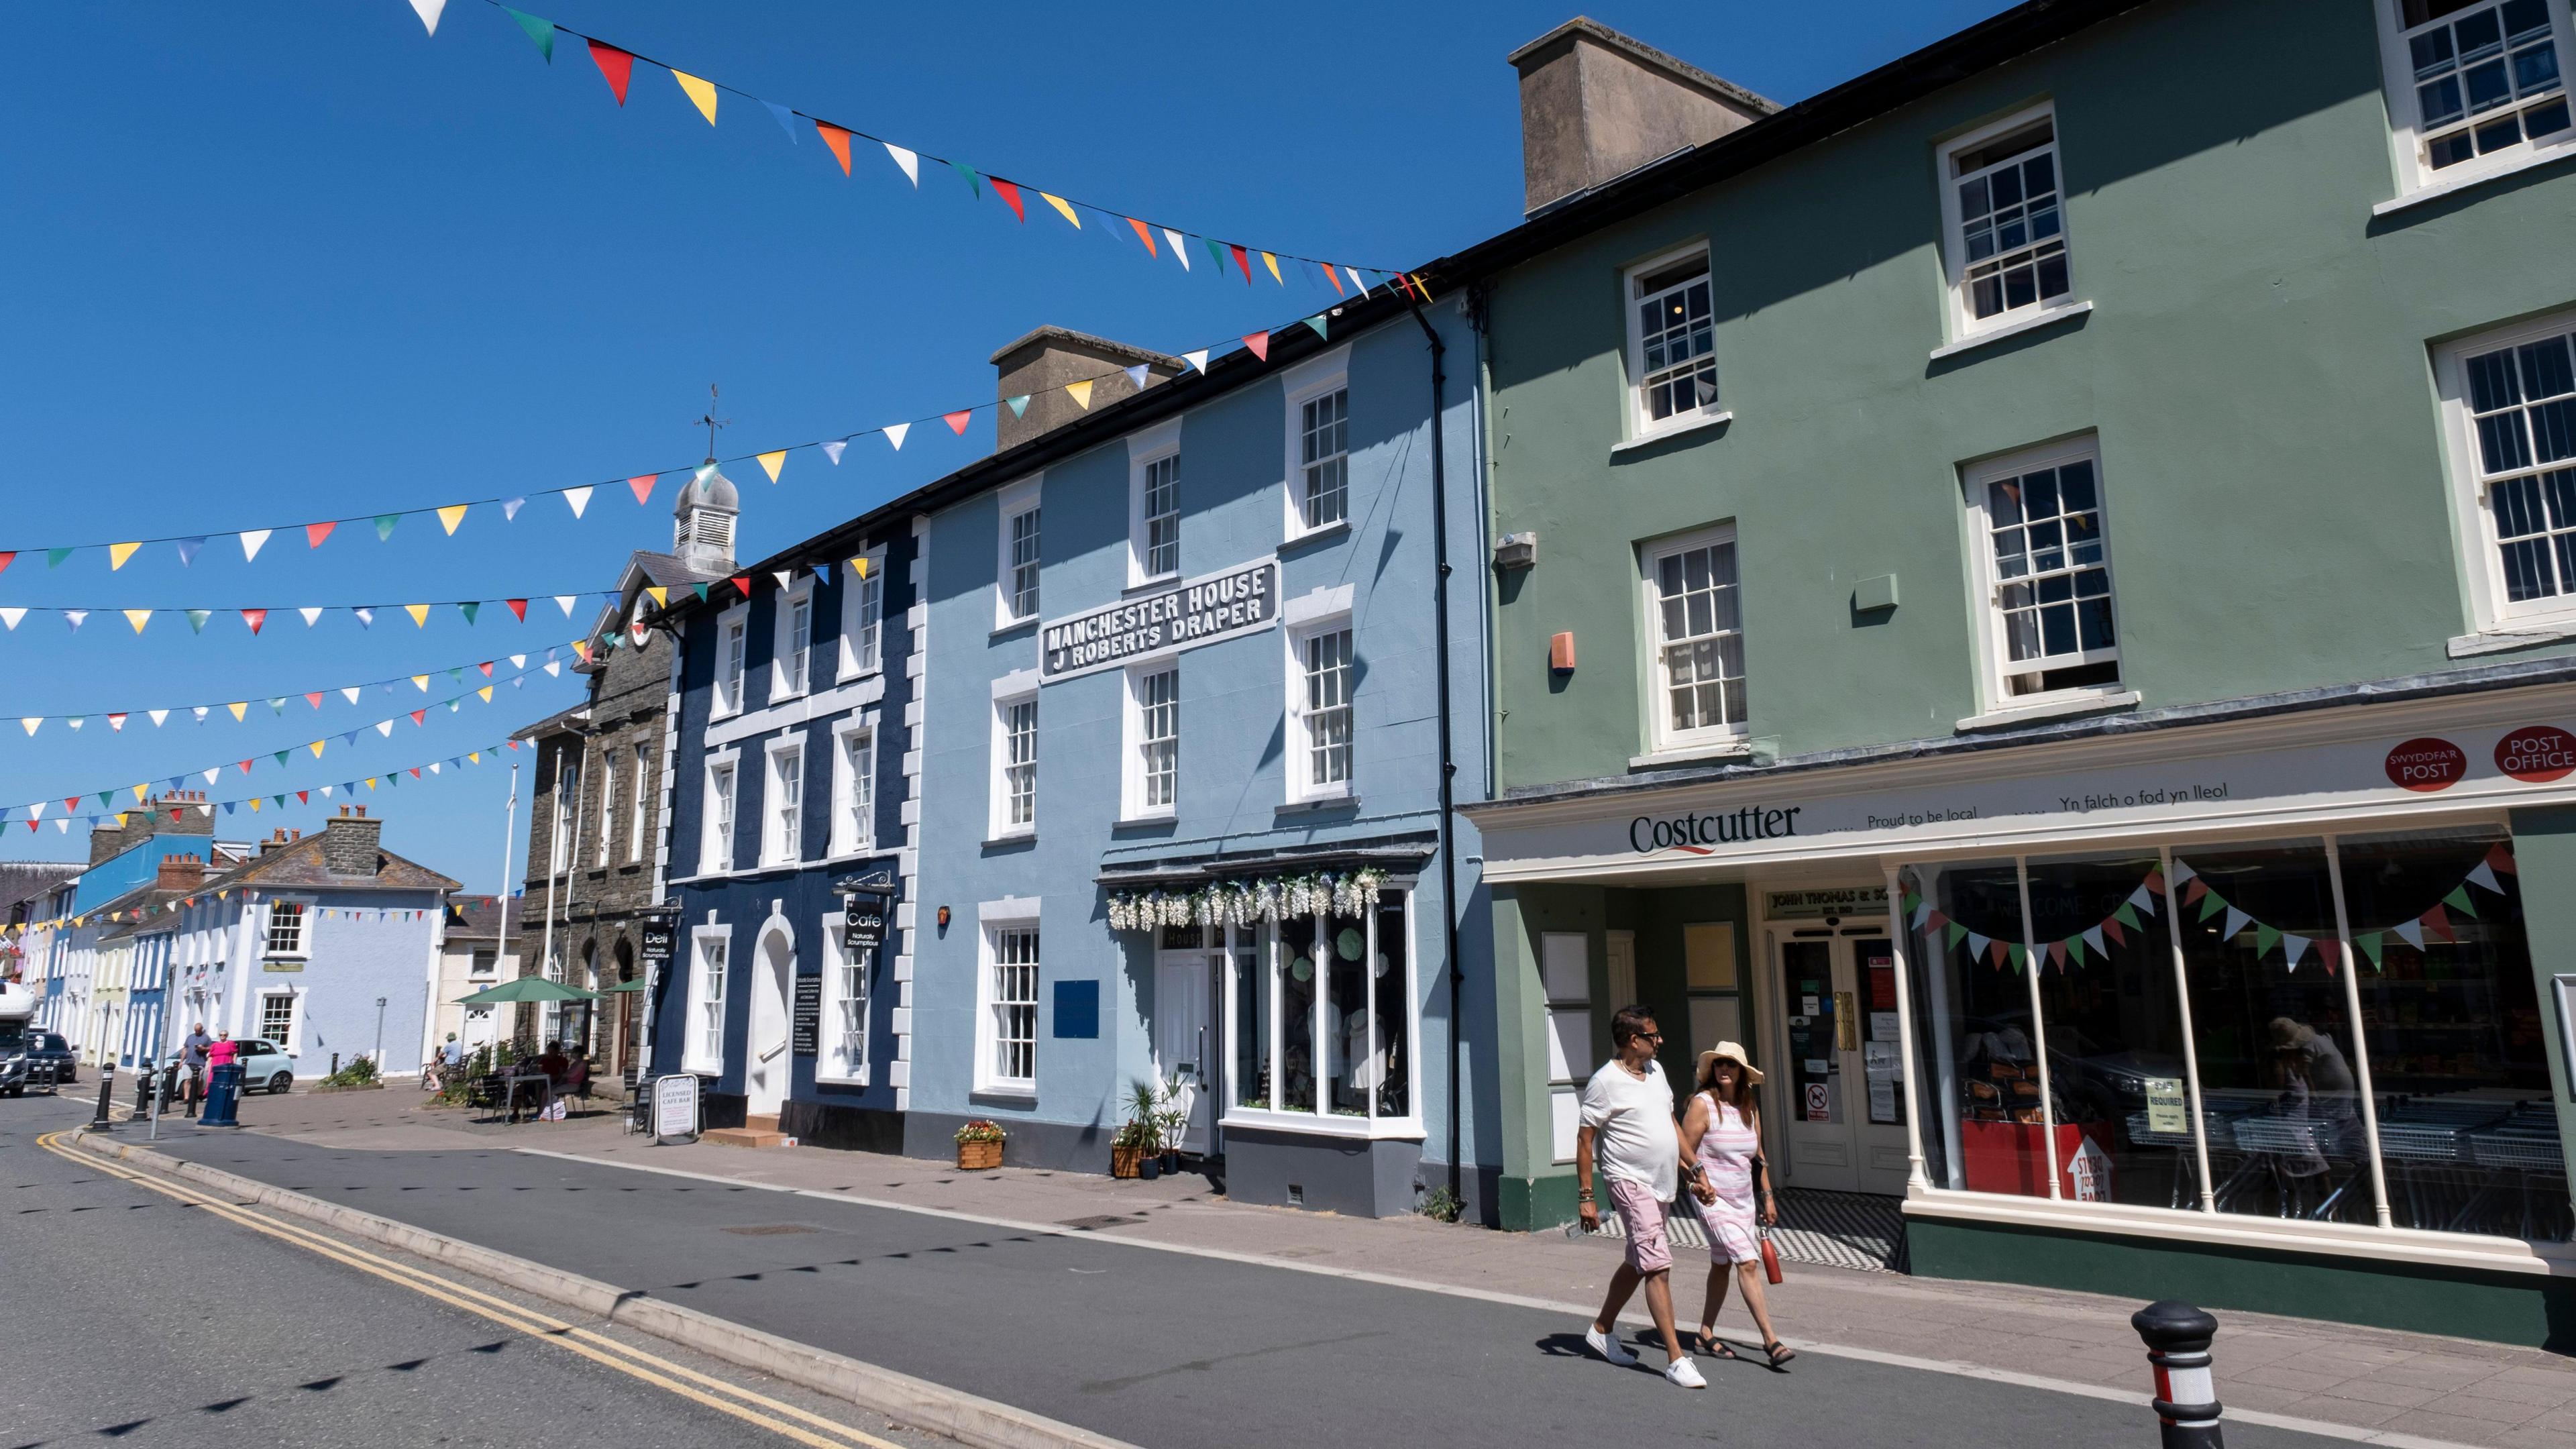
509 829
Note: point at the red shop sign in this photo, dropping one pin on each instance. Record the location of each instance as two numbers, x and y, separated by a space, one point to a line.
2427 763
2537 753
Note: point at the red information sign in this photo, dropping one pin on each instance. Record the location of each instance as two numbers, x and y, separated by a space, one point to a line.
2537 753
2427 763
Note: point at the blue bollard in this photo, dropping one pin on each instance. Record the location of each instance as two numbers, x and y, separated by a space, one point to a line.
223 1094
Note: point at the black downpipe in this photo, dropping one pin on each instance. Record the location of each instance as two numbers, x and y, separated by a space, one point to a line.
1448 761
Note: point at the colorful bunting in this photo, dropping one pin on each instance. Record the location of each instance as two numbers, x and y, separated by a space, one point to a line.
772 462
838 140
540 30
615 66
702 94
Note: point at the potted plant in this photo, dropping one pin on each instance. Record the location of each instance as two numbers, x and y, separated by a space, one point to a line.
1126 1153
1141 1137
979 1144
1173 1120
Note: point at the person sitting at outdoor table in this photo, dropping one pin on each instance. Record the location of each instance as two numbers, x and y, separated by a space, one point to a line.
553 1064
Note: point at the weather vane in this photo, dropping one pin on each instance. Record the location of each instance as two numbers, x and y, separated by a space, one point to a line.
712 422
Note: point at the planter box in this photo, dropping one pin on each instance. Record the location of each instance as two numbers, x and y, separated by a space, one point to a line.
978 1156
354 1087
1125 1162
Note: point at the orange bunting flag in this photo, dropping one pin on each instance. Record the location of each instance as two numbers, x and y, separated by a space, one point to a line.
1144 234
1259 343
958 420
839 142
1336 281
314 533
1010 192
615 65
642 483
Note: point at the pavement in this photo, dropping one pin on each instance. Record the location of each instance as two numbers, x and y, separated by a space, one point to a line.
141 1318
1151 1311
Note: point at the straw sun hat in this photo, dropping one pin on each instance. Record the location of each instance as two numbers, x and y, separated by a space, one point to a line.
1731 1052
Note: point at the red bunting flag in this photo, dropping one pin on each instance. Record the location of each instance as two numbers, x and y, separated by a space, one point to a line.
743 584
486 667
839 142
1259 342
2192 893
958 420
418 717
1241 259
518 608
314 533
2111 929
7 559
2327 947
2437 923
1145 234
2499 859
615 65
415 772
254 618
642 483
2057 954
303 797
1010 193
245 767
314 699
73 803
2155 882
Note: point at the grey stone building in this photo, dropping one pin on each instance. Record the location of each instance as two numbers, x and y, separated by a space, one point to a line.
598 796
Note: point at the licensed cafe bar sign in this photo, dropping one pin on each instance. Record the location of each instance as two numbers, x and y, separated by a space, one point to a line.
1183 615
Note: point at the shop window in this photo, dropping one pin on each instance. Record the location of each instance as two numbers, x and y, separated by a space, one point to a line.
2113 1023
1388 1071
1328 999
1297 969
1254 1018
2452 1023
1972 961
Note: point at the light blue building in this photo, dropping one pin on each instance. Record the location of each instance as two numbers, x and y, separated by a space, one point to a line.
1181 768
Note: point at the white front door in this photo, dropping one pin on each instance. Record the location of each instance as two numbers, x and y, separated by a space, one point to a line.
1181 1040
1842 1092
765 1078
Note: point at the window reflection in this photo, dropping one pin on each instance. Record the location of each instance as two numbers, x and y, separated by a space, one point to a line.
1251 1019
1967 948
2114 1027
1391 1074
1298 970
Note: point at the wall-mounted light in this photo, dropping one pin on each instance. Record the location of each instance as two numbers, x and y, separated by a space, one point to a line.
943 918
1560 652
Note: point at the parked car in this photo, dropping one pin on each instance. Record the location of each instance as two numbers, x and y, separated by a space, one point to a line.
48 1047
265 1067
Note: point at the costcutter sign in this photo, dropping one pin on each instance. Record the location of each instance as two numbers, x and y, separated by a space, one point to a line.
1222 605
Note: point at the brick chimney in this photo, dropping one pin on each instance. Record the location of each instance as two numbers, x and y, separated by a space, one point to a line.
279 839
181 873
350 842
1039 366
1596 105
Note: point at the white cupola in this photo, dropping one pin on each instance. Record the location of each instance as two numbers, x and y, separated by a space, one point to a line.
702 523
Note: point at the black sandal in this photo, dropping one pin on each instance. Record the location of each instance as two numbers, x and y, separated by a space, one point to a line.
1712 1346
1780 1352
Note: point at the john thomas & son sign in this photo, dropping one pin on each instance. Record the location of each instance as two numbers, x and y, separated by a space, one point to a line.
1182 615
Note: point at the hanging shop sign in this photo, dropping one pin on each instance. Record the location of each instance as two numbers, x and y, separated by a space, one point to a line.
1222 605
863 921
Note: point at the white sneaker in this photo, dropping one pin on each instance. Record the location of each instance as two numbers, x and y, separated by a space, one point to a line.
1685 1373
1608 1347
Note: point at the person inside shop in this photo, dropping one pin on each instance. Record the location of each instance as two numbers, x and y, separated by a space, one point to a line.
1628 1113
2317 1085
1722 1132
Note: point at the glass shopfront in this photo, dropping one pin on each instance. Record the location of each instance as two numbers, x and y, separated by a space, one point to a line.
2336 1028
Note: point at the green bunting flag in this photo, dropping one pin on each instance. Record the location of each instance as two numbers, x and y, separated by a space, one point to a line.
1317 322
469 611
2458 900
539 29
972 179
197 619
54 557
385 525
2368 943
701 590
2265 938
281 758
1019 405
2127 915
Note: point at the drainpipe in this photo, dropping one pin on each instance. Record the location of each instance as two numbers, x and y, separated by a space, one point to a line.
1448 761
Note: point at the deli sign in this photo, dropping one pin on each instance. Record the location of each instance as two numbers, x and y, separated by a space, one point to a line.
1183 615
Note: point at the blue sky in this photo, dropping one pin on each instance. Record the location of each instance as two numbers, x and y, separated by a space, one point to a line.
278 260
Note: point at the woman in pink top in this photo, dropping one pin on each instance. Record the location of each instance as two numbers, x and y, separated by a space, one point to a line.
223 1052
1722 1131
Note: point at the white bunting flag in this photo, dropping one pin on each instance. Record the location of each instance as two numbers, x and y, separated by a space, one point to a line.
250 542
1355 280
1196 359
2236 921
350 693
579 498
200 712
33 722
518 661
2294 947
565 603
2411 932
2093 938
1180 248
385 727
510 509
1977 945
786 579
894 434
1136 377
73 617
312 614
11 617
554 667
910 163
832 450
158 715
366 617
428 11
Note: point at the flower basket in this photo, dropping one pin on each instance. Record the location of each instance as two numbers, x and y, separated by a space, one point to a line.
979 1145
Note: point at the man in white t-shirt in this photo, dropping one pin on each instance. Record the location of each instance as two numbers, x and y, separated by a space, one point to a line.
1628 1115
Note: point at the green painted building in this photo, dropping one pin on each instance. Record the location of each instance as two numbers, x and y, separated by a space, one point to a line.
2033 590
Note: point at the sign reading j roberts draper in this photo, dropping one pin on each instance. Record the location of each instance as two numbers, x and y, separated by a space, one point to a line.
1182 615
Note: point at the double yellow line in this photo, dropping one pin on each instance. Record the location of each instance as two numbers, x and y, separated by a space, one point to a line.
783 1419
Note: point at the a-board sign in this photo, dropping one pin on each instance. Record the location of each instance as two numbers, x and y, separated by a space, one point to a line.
675 1107
805 1023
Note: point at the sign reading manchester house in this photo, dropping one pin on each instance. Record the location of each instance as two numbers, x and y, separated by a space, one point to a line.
1181 615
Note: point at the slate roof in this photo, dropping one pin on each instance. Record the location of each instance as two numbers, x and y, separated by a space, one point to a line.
301 863
478 918
26 880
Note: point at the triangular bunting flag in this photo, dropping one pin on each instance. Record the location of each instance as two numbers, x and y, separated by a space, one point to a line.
786 119
2437 923
702 94
1242 261
974 178
2293 947
428 11
469 609
1272 263
1196 359
773 461
419 615
540 30
832 450
2457 900
1258 343
836 139
518 608
450 516
1136 376
2236 922
958 420
312 615
910 162
12 615
894 433
2368 943
660 596
187 551
1080 392
138 618
510 509
1317 322
2411 932
385 525
1062 209
1019 405
254 618
744 584
615 66
314 533
1010 193
250 541
1180 248
73 617
1144 234
579 498
2481 875
54 557
2265 938
118 553
565 603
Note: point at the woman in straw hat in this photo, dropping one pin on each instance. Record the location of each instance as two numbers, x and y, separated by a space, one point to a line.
1722 1131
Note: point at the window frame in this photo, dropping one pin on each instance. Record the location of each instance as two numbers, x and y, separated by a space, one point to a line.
1985 584
1263 942
302 950
730 695
1145 450
694 1058
1661 737
782 836
718 832
607 806
1135 711
635 821
1640 423
1300 719
290 1041
834 1062
1316 377
1964 323
2490 610
994 920
853 832
788 679
1010 692
861 648
1011 503
2415 173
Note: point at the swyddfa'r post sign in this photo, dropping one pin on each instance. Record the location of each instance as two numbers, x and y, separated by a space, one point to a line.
1183 615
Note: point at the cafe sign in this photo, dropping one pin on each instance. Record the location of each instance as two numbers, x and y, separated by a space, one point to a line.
1164 619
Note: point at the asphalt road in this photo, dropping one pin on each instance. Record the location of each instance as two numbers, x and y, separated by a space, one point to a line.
1165 1350
133 1319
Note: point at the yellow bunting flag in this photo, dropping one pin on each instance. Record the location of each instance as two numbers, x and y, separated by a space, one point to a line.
772 462
1272 263
661 596
1058 203
1081 393
137 618
703 93
118 553
419 615
450 516
486 692
254 804
140 791
420 682
371 782
238 710
859 566
317 749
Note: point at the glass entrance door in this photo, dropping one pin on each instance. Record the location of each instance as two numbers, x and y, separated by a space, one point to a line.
1842 1090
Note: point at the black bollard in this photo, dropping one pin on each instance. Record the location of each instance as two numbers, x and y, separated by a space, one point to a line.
2186 1404
106 1093
143 1078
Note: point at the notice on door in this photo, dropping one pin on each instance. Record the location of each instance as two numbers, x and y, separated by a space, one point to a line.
2166 1111
1820 1105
